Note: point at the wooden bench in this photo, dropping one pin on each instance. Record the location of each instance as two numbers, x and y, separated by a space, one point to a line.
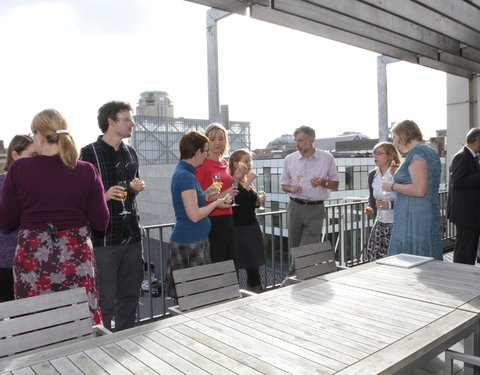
205 285
40 322
310 261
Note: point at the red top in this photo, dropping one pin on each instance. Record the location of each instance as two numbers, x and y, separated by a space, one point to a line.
40 190
204 175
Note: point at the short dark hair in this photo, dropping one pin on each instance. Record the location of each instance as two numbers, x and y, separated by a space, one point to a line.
190 143
307 130
110 110
473 135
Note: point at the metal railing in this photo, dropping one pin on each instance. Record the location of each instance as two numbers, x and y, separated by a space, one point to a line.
346 227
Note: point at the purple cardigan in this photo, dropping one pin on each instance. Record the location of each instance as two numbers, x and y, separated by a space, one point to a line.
8 242
40 190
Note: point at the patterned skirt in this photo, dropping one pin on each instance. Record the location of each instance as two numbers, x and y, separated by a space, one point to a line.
185 255
46 263
379 240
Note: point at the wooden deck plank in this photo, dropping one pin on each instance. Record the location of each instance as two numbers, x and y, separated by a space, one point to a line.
160 364
86 364
347 294
258 364
265 351
345 317
341 329
321 337
127 359
393 318
412 347
184 349
64 366
44 368
109 364
331 356
169 356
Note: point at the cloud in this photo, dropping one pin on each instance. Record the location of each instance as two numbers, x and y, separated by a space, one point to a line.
110 17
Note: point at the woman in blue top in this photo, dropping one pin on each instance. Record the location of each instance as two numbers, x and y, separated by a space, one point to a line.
416 228
189 240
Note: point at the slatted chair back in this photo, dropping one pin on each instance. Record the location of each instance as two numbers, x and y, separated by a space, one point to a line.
205 285
28 324
313 260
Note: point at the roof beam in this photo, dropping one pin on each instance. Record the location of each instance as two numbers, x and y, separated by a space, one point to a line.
232 6
375 33
430 19
330 32
374 16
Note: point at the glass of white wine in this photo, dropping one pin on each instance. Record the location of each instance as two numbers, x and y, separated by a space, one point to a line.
261 197
299 179
217 181
123 184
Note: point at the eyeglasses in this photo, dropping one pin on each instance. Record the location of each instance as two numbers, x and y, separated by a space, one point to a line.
380 153
127 119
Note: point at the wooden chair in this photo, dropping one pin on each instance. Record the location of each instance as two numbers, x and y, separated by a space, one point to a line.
40 322
206 285
310 261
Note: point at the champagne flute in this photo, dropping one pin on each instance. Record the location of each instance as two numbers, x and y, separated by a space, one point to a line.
123 184
235 185
217 181
261 197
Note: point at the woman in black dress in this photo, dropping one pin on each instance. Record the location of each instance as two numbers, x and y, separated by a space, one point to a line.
247 235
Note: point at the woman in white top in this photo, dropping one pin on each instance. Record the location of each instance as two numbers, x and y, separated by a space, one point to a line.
387 160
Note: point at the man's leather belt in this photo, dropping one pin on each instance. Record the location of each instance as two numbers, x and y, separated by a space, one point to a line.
308 203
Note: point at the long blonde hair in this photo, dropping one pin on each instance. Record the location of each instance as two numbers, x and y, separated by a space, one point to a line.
213 127
47 123
391 150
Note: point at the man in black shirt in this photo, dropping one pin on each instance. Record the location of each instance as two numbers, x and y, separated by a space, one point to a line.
118 250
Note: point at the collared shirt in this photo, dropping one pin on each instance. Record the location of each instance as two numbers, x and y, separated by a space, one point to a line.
321 164
115 166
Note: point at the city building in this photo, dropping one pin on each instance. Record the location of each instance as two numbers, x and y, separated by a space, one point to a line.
157 133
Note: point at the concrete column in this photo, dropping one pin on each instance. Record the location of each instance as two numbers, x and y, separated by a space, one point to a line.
213 16
462 111
382 91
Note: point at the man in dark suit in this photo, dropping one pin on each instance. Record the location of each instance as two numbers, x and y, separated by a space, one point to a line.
463 206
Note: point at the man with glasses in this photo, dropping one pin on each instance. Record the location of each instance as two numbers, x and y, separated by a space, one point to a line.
118 250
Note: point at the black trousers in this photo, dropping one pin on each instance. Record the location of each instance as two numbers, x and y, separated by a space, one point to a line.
221 238
6 285
466 245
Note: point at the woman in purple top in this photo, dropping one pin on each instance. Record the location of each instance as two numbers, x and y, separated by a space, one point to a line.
54 199
20 146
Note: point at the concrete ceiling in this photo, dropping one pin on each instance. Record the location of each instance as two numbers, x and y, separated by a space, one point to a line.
439 34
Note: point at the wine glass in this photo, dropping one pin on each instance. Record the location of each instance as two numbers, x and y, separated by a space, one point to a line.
217 181
261 197
386 179
299 178
235 185
123 184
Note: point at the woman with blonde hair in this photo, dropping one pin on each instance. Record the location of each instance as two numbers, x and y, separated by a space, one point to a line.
417 212
54 199
20 146
387 160
215 169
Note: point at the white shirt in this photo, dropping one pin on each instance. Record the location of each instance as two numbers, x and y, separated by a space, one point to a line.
385 216
320 164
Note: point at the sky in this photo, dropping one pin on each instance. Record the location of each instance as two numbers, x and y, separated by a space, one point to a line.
77 55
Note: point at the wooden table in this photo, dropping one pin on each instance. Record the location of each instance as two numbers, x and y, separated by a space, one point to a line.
370 319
